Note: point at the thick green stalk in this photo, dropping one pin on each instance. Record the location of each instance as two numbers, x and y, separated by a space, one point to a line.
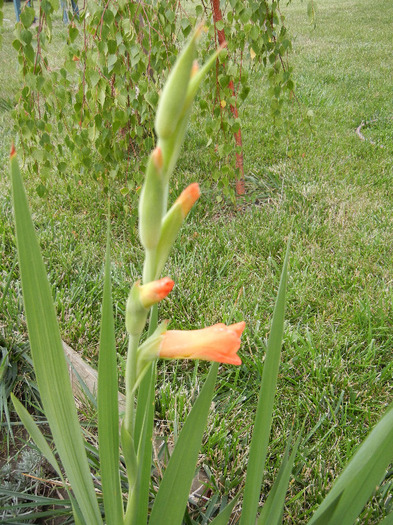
130 382
149 267
127 431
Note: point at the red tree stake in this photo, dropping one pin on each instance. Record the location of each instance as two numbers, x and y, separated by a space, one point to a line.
217 16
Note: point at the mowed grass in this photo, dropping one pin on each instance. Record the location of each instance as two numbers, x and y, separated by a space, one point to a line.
320 184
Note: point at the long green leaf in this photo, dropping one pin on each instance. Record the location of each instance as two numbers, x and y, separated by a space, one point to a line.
108 406
224 516
362 474
263 418
325 517
36 434
144 422
48 356
388 520
273 508
172 496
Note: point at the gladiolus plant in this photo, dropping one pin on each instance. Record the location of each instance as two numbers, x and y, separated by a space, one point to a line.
130 444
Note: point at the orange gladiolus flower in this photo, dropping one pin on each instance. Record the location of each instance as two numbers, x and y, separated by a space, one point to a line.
216 343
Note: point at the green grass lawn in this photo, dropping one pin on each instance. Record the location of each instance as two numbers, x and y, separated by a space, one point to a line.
319 183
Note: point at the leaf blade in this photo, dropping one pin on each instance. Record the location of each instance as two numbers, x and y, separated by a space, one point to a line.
176 483
364 471
108 405
48 356
263 419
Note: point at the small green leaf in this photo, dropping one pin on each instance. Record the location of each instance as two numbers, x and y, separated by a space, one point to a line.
41 190
27 16
26 36
245 15
220 25
171 15
29 53
73 32
112 59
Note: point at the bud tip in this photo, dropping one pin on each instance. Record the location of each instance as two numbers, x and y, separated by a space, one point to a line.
157 158
188 197
195 68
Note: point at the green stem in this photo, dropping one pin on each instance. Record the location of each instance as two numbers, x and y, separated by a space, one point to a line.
149 267
131 511
130 382
134 464
127 431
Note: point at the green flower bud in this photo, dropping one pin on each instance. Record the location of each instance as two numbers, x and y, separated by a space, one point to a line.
197 75
151 202
171 146
172 222
141 298
136 313
173 96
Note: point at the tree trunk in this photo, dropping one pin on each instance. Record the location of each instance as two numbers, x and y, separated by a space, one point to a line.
217 15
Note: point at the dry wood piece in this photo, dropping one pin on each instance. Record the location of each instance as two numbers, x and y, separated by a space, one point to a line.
360 134
80 370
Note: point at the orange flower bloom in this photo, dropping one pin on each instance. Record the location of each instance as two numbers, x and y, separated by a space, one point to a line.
216 343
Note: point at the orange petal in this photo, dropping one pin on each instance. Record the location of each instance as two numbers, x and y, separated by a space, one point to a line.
216 343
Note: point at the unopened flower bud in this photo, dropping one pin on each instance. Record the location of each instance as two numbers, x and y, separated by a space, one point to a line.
141 298
151 202
188 198
157 158
170 106
195 68
198 74
154 291
172 222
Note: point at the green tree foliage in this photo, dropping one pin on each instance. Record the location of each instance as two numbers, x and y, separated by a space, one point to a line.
91 113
